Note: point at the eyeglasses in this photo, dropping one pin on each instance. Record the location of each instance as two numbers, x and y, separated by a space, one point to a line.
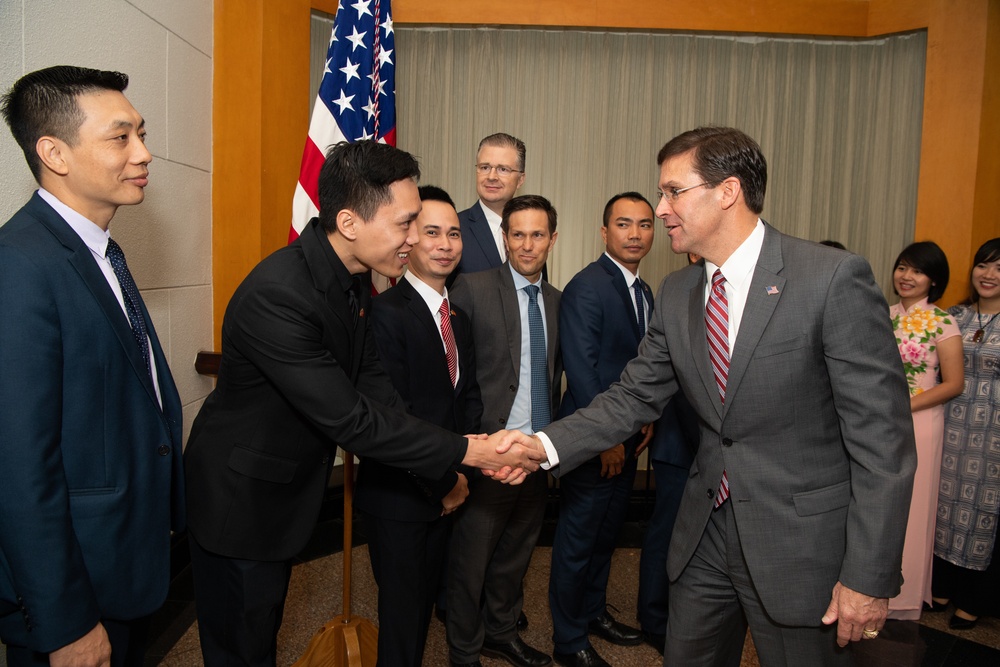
673 193
503 171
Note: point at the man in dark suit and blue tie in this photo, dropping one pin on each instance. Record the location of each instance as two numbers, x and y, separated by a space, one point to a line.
794 513
602 318
515 326
499 175
425 345
90 460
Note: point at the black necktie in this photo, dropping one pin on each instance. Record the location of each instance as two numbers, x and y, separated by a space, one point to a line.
640 307
130 294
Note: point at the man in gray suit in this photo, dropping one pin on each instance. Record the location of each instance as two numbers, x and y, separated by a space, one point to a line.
793 516
515 331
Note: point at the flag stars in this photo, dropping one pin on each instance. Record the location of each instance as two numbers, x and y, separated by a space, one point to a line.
357 39
350 70
387 25
362 7
344 102
384 57
327 70
369 108
381 84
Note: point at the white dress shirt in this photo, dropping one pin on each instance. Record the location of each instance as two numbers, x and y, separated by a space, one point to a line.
494 220
433 301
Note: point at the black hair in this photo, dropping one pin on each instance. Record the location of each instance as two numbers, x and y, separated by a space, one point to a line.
928 258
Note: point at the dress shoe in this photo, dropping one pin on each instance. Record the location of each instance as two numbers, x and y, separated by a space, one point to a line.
607 628
522 622
657 641
935 607
586 658
516 652
466 664
959 623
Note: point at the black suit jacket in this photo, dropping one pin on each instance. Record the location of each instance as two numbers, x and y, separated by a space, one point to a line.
479 250
90 465
409 346
298 377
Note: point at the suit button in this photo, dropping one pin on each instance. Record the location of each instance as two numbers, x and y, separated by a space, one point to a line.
711 493
513 388
163 450
326 459
502 421
727 442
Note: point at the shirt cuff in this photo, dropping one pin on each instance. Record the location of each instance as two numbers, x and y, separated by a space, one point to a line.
550 452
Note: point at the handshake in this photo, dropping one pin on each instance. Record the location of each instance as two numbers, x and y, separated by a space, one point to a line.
506 456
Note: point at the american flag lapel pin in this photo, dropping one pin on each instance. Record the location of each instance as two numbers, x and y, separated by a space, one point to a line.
361 313
772 290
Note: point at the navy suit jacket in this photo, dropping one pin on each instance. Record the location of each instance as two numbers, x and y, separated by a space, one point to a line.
90 465
410 349
598 331
479 249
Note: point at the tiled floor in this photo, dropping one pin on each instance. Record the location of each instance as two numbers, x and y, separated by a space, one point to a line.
316 596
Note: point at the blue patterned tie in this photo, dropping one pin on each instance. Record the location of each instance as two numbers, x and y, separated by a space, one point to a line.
541 413
640 307
130 294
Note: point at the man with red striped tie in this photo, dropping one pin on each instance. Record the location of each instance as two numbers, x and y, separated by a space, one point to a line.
793 516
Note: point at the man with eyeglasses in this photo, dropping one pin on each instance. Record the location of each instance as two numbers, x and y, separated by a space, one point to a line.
793 516
499 175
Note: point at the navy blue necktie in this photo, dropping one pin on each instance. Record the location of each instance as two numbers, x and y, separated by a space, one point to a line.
541 412
640 307
130 294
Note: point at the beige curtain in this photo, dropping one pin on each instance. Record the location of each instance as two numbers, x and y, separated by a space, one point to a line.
839 122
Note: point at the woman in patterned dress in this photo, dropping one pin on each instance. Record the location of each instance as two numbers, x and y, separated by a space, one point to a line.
931 350
967 560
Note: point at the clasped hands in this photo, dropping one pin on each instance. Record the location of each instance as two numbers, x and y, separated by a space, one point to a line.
506 456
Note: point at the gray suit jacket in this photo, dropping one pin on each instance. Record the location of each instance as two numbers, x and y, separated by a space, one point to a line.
815 433
490 301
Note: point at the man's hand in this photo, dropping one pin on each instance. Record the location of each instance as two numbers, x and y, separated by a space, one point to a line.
456 496
506 456
91 650
647 435
612 461
855 613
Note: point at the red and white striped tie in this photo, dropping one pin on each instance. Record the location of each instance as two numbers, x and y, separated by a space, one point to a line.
717 326
450 350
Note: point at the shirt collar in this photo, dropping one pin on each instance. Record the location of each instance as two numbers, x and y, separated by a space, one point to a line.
93 236
738 269
492 218
426 292
630 277
520 282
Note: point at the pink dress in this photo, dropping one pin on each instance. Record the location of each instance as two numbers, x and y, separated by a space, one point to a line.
918 332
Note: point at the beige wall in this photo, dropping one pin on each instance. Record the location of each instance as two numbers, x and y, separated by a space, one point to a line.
166 49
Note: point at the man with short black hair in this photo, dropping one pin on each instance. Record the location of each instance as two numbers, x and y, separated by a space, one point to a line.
299 376
90 429
602 317
425 345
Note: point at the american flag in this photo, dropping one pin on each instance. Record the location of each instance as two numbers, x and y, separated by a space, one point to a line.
357 97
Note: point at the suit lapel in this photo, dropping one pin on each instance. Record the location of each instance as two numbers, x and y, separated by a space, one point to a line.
484 235
624 292
699 340
511 315
758 309
424 320
552 329
83 262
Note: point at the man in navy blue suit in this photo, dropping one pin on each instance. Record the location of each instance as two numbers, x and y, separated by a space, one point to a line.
90 461
603 316
499 175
